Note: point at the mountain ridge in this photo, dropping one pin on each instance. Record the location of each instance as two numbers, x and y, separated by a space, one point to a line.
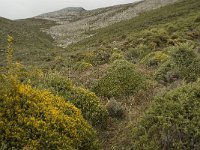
74 27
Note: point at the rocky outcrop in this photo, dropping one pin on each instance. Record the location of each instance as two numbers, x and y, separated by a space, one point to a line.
67 14
74 23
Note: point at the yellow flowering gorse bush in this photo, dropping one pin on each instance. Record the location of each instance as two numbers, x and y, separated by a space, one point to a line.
39 119
35 118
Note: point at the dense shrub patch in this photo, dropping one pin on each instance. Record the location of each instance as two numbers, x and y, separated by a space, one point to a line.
172 122
122 79
184 64
155 58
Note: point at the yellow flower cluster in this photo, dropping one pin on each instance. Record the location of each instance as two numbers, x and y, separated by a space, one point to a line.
38 119
9 50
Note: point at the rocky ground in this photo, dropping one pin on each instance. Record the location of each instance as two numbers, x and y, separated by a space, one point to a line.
75 24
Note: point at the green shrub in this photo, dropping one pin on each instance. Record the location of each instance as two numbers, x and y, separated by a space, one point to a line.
94 57
81 66
135 54
122 79
184 63
172 122
37 119
167 73
155 58
90 105
187 62
155 37
116 56
86 101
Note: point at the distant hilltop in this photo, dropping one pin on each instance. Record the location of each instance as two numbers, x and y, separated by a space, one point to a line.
74 11
74 22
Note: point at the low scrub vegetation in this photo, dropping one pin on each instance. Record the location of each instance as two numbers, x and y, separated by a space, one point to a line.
122 79
183 64
172 122
132 85
86 101
155 59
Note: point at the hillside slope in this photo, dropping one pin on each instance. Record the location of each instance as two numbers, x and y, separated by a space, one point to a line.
148 41
32 46
77 23
144 71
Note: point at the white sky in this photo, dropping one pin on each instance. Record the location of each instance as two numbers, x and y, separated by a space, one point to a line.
17 9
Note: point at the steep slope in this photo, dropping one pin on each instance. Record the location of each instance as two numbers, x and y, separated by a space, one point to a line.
30 43
76 23
125 32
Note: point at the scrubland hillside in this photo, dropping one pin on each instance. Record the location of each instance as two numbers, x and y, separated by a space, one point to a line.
133 85
76 24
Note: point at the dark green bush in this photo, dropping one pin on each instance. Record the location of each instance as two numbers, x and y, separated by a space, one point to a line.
101 57
172 122
184 63
167 73
94 57
187 62
122 79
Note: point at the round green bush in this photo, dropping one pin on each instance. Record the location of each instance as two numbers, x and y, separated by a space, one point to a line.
172 122
122 79
155 58
155 38
85 100
187 62
167 73
184 62
37 119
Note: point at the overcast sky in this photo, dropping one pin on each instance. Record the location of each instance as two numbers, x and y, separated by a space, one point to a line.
17 9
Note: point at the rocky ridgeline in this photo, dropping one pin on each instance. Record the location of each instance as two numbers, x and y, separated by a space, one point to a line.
74 22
